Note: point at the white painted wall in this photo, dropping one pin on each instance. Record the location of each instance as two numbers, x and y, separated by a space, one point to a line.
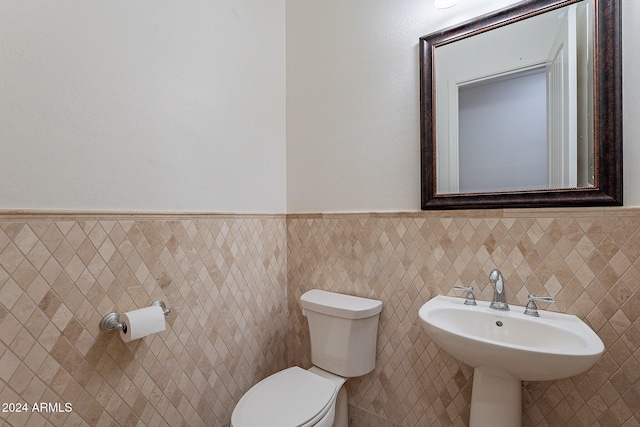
166 105
631 100
152 105
353 100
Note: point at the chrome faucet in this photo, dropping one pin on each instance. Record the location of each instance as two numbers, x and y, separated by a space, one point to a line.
499 296
532 309
471 299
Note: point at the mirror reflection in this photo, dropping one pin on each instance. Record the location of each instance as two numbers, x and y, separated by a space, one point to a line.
515 105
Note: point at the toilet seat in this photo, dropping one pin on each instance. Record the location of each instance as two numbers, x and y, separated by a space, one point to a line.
293 397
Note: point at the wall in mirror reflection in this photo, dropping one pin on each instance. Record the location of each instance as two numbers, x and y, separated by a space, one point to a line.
515 106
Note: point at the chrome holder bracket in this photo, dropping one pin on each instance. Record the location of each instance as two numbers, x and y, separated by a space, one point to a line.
111 322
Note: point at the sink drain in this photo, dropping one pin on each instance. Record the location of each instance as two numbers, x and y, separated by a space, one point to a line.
499 323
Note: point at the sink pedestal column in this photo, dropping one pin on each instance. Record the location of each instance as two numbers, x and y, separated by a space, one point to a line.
496 401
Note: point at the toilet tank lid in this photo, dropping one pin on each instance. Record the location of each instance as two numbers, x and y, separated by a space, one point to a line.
340 305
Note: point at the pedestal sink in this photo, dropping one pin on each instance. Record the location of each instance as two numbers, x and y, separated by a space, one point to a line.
507 347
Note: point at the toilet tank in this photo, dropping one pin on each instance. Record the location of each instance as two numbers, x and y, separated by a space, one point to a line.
343 331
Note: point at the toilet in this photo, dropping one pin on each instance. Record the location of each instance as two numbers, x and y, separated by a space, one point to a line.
343 331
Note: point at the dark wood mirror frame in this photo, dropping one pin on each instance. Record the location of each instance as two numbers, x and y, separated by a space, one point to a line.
607 114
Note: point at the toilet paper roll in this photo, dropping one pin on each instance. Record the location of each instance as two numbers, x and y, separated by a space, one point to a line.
142 322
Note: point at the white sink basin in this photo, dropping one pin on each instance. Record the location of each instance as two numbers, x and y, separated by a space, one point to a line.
548 347
506 347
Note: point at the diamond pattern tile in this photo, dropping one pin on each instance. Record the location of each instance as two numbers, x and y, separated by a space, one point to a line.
590 263
233 283
224 278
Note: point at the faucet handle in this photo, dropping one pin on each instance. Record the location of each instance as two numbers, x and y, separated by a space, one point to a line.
471 299
532 309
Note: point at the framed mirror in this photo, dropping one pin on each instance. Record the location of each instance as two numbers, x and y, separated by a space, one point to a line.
523 108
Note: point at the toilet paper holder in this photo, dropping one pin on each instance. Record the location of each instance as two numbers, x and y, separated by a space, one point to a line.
111 322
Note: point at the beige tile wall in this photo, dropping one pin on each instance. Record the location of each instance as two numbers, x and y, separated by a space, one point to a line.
224 278
587 259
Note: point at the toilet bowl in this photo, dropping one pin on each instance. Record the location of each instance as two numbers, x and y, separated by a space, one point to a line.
343 332
291 397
